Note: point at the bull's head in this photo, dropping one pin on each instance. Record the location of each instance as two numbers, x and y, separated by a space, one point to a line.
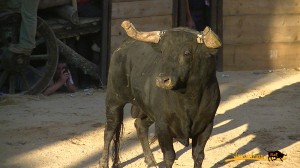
179 49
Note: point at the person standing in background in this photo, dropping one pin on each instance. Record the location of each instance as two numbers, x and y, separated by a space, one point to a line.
197 14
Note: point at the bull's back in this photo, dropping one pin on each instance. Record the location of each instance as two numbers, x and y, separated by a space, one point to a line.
131 65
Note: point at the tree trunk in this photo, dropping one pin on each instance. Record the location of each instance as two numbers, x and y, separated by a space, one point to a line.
78 61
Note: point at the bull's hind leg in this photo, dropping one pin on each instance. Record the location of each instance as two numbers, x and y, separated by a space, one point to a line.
199 144
142 124
114 117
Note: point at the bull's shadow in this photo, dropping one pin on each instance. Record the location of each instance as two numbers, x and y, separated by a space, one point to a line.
272 129
268 127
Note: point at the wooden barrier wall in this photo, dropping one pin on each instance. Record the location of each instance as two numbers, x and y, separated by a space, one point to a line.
261 34
146 15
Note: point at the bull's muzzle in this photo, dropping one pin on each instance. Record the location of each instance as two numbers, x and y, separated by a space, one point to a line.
165 82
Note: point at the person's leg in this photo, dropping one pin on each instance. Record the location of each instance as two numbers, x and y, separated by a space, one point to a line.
13 4
29 22
28 28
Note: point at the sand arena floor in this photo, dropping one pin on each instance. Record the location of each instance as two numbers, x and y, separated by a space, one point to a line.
259 110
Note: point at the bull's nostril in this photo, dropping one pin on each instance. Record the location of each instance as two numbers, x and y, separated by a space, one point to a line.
166 80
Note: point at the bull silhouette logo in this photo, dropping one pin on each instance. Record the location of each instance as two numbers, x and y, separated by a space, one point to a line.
273 155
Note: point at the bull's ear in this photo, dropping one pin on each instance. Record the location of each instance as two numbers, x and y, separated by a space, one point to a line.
209 38
209 52
152 36
213 51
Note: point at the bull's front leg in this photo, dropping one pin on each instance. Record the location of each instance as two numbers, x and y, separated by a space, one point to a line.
103 162
165 140
198 145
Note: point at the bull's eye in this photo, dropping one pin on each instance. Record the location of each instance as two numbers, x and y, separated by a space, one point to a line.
185 57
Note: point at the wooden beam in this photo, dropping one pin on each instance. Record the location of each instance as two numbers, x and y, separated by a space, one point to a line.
263 29
141 9
261 56
259 7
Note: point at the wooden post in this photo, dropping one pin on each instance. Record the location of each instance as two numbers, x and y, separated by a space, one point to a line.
105 45
175 13
43 4
182 13
218 9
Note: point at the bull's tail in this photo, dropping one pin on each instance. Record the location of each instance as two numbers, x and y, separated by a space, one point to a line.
116 145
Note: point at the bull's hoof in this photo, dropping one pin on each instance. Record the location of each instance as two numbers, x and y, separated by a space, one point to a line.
116 166
151 164
102 165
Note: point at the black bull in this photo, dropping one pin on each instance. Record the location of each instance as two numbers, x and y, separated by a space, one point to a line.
172 84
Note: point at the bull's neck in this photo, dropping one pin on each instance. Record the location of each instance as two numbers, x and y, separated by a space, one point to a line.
201 75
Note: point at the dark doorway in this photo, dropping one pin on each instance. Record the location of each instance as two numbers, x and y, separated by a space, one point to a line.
215 17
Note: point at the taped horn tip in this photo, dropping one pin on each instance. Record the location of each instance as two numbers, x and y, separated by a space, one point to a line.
210 39
126 24
151 36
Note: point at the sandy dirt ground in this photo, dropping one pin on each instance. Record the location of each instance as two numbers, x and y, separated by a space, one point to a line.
259 110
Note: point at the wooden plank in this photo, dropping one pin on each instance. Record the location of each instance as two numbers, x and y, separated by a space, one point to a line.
143 24
127 0
141 8
261 56
52 3
255 7
262 29
116 42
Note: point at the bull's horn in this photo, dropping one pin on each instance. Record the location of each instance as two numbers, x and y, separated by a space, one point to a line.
152 36
210 39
